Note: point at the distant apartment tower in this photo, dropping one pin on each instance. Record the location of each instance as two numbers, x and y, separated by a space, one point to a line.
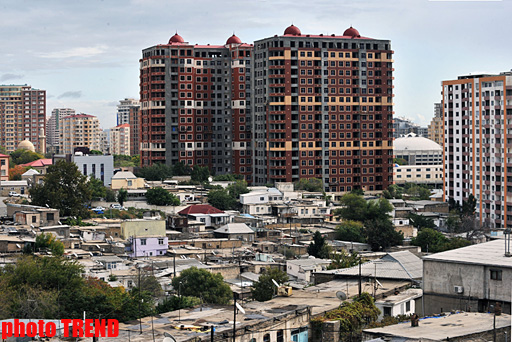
134 123
53 127
477 152
80 130
105 141
120 140
195 105
22 114
123 110
403 126
323 107
435 129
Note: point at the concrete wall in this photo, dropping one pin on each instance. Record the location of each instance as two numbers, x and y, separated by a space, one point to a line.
440 278
141 228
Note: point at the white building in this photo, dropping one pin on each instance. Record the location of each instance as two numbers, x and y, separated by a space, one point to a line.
53 127
402 303
302 269
123 110
102 167
421 174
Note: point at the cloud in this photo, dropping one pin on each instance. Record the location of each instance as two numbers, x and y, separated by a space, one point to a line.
70 94
76 52
6 77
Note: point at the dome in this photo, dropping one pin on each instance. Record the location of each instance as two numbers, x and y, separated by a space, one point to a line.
176 39
233 40
292 30
351 32
26 145
413 143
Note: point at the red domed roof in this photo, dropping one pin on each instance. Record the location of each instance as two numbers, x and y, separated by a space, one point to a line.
351 32
176 39
292 30
233 40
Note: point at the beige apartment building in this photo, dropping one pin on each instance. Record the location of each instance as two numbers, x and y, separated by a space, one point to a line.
81 130
435 128
120 140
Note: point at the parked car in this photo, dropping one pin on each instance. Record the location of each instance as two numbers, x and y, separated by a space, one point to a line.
14 194
117 206
98 210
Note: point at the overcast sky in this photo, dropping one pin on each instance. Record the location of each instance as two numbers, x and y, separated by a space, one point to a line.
85 53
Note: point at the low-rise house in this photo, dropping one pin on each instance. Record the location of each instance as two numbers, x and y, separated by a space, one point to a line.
400 303
142 228
21 187
25 214
4 167
14 244
127 180
236 231
147 246
205 213
303 269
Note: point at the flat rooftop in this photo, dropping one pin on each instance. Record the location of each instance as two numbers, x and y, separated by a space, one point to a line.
439 328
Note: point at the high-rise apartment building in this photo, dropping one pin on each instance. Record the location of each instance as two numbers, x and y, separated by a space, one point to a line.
195 105
53 127
120 140
123 110
435 129
323 107
477 152
134 122
22 114
291 106
80 130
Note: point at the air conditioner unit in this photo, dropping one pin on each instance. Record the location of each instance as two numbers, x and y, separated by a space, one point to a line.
458 289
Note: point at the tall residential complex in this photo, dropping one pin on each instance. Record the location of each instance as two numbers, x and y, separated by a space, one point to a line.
120 140
53 128
123 110
134 122
323 107
477 153
435 129
195 105
22 114
291 106
80 130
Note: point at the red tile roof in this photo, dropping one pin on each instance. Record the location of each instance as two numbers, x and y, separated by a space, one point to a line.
3 156
200 209
39 163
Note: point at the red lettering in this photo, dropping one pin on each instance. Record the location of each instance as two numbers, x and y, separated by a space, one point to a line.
19 328
66 323
113 328
40 327
78 330
88 328
100 327
7 330
31 329
50 329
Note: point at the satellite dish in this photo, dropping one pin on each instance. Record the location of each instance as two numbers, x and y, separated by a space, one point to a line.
341 295
239 307
275 283
210 179
378 282
60 222
168 337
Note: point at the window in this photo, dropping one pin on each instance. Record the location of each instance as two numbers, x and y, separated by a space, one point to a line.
50 217
280 336
143 242
266 338
387 311
496 274
160 241
408 306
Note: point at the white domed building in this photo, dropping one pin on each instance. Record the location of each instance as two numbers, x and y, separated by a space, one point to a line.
424 159
418 150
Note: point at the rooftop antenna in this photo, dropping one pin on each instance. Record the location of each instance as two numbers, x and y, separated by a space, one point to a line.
507 234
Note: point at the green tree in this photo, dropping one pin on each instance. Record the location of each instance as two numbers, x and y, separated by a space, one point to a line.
380 234
343 260
172 303
350 231
319 248
63 188
180 169
160 196
430 240
155 172
420 221
220 199
264 288
353 207
98 190
393 191
310 184
198 282
48 241
96 152
417 192
23 156
239 187
110 195
200 174
122 195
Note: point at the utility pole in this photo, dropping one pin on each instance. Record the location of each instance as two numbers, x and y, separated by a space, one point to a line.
140 301
359 276
234 316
